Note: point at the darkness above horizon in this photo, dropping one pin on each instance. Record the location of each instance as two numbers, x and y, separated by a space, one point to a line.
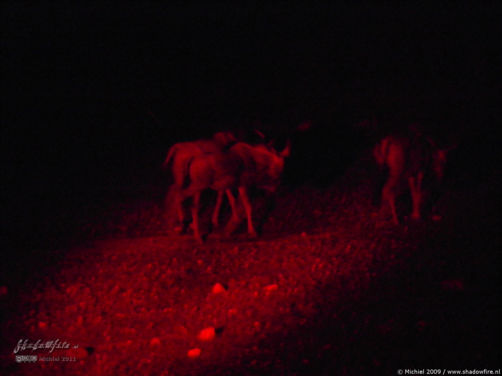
378 250
81 81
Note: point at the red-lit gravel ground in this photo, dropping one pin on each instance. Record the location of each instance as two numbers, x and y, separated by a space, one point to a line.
327 289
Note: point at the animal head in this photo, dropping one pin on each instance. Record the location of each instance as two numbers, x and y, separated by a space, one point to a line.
439 163
380 151
276 165
439 158
224 139
264 164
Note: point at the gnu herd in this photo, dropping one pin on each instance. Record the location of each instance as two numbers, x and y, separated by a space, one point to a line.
409 161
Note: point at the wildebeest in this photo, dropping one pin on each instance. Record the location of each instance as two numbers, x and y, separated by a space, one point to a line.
180 156
408 158
241 166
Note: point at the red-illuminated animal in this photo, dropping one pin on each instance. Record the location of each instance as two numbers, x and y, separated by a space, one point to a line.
180 156
408 159
241 167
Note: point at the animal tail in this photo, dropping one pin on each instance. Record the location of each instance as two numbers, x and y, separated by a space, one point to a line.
170 155
381 150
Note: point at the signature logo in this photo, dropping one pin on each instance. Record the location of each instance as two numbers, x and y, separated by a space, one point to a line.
50 345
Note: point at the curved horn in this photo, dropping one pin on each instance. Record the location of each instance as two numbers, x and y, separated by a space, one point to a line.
305 126
259 133
287 150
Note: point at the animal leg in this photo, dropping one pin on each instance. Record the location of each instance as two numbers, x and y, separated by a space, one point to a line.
416 194
233 205
195 216
216 212
233 223
389 196
178 203
180 172
248 208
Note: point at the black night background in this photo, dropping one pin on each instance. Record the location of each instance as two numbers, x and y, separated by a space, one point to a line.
93 94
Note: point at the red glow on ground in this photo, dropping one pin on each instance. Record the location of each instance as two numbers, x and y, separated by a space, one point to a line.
301 298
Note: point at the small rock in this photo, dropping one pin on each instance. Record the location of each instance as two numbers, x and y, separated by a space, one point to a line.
79 353
180 330
193 353
218 288
270 288
155 341
207 334
232 312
